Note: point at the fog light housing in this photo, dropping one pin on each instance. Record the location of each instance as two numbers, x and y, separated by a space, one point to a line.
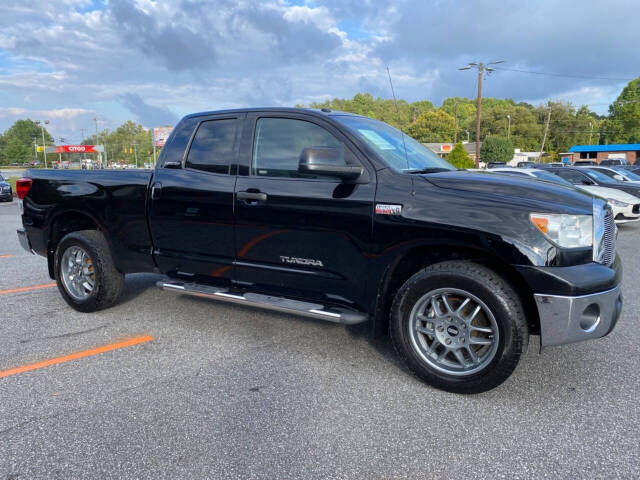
590 318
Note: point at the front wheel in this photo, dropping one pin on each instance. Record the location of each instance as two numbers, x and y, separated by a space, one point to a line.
85 273
459 326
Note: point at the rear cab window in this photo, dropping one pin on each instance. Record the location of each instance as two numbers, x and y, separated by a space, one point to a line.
213 146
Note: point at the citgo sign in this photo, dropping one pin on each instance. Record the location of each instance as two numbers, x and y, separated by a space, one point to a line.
76 149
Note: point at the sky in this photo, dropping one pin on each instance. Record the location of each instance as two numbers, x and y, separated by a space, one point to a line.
73 61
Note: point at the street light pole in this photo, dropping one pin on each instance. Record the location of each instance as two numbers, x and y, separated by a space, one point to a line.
509 127
482 68
44 143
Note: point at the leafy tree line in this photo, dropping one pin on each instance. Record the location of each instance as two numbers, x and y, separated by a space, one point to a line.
17 144
455 120
125 143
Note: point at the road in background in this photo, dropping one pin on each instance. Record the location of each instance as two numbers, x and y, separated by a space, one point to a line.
225 392
12 172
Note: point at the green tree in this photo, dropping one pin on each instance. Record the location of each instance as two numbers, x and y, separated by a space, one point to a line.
459 157
19 138
623 124
435 126
15 151
496 149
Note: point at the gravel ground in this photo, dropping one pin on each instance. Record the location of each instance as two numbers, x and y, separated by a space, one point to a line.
224 392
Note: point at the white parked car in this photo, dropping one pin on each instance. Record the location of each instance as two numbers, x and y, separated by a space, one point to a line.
623 204
617 173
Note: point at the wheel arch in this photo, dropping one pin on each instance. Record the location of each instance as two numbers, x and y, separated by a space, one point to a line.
63 223
419 257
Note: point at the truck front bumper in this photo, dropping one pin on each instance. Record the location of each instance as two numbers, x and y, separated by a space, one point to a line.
574 319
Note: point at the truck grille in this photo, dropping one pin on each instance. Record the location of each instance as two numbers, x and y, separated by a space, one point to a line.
636 208
609 239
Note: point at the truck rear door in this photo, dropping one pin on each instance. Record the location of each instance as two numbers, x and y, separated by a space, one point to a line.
191 213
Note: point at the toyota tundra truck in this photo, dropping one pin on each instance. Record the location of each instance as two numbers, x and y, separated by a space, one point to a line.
345 219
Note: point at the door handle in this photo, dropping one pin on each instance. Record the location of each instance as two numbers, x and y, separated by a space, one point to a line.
156 191
252 197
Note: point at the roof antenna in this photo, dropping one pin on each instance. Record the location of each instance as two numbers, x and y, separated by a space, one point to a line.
395 103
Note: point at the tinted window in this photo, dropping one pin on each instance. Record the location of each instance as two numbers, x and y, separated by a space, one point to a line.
173 151
571 176
608 173
597 176
550 177
279 142
212 146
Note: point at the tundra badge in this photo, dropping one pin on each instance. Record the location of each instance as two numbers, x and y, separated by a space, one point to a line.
388 209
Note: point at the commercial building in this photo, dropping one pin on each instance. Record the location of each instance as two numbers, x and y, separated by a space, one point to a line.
628 151
444 149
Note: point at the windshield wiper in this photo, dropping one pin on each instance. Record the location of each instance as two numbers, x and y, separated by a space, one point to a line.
428 170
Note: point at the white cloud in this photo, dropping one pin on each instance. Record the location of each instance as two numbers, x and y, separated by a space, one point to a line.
148 59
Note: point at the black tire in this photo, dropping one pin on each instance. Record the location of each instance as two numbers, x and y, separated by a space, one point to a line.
109 282
497 295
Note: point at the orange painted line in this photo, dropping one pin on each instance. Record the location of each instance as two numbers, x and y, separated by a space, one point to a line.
75 356
26 289
9 255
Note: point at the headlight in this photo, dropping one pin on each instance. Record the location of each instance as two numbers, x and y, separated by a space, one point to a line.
566 231
616 203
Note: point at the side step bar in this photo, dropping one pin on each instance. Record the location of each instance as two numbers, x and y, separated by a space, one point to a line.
341 315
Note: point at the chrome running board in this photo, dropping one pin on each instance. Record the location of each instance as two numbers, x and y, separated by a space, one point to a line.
341 315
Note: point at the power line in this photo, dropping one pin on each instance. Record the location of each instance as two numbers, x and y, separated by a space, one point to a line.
548 74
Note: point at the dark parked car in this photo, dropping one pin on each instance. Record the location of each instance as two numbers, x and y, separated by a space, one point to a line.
341 218
6 194
495 164
527 164
614 162
591 176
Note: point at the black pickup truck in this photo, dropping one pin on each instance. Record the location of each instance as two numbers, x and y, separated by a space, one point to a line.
341 218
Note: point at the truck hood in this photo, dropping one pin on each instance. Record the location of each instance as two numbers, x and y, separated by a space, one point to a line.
546 195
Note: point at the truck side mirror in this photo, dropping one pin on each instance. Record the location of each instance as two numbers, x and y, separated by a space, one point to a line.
327 161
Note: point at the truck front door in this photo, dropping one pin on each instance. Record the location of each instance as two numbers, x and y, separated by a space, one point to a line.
297 234
191 213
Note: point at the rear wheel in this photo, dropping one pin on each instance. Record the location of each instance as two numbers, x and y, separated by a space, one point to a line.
85 272
459 326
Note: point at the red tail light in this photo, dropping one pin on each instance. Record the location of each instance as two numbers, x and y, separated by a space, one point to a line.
23 185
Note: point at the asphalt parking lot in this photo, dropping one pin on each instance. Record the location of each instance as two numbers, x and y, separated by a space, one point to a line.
217 391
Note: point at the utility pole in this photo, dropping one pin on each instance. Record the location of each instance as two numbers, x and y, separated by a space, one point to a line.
509 127
106 135
482 68
590 132
135 154
544 137
61 140
455 127
95 121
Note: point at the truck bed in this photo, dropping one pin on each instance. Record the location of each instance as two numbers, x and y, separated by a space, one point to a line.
115 200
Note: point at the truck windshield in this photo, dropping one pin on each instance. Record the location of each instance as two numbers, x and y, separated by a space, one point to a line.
399 151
